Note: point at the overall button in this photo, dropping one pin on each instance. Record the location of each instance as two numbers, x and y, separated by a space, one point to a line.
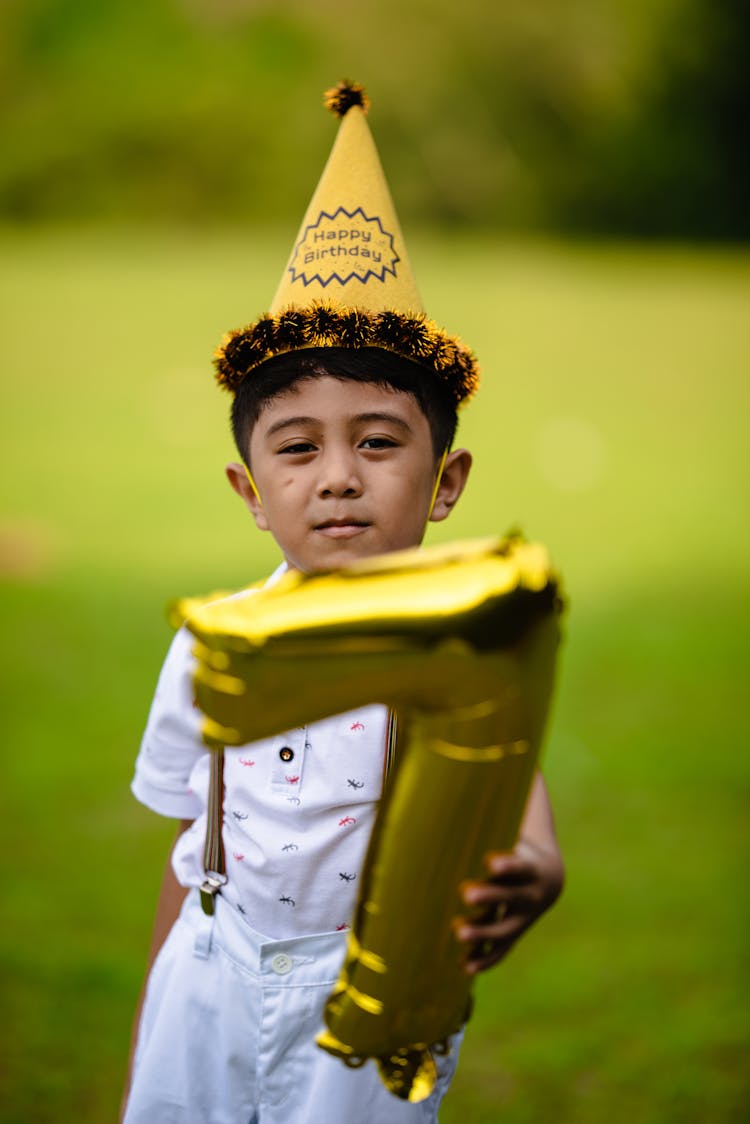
286 753
282 964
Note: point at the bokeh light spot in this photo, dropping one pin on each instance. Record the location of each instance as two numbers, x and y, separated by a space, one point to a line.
571 454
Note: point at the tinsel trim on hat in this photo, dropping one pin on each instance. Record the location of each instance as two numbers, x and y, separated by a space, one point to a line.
413 336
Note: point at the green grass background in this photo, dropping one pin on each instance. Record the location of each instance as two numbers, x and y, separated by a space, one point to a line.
612 424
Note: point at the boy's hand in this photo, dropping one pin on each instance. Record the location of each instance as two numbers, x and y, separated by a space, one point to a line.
520 887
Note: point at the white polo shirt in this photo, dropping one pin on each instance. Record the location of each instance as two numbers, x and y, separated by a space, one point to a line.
298 811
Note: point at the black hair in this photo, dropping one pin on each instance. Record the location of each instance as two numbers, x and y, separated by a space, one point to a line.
364 364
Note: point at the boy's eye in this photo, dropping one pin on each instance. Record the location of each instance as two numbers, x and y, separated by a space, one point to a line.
379 443
298 447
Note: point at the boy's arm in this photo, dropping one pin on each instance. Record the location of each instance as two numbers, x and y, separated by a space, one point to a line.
520 887
171 897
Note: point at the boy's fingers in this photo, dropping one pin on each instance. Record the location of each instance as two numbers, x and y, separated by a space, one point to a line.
505 926
486 955
513 868
498 894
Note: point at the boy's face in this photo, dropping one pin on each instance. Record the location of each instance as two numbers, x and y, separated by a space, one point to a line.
345 470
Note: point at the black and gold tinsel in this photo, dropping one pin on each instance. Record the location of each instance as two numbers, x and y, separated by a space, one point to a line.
413 336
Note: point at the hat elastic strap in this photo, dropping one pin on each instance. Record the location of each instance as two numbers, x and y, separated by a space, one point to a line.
253 485
438 478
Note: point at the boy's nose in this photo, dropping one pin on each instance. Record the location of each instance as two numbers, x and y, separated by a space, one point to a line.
339 476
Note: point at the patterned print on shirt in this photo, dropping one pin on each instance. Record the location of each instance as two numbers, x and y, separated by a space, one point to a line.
347 820
290 847
240 815
346 877
340 928
292 780
246 761
355 784
357 727
236 855
287 901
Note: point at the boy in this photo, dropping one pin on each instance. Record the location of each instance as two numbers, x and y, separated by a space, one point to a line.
346 446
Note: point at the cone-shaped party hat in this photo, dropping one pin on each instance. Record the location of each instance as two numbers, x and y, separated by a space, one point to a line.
348 282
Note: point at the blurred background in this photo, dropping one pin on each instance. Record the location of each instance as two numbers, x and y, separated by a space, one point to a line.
572 182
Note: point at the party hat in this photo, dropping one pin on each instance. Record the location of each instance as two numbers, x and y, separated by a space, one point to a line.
348 282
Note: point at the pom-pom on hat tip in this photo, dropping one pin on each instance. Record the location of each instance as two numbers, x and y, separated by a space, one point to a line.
341 97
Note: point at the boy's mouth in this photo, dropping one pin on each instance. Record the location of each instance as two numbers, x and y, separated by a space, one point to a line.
342 528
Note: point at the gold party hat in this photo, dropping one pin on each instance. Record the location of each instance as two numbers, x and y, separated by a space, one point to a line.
348 282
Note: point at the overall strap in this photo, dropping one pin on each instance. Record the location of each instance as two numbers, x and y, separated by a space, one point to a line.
214 864
391 741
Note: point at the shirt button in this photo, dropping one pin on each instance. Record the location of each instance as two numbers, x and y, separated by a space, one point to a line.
286 753
281 964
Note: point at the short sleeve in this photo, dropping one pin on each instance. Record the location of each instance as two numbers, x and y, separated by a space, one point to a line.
171 744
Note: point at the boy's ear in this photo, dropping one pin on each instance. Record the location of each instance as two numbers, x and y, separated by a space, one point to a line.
238 478
452 483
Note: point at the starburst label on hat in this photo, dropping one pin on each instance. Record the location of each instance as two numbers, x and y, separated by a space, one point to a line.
344 246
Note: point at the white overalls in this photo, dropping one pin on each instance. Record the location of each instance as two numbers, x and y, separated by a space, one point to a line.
228 1034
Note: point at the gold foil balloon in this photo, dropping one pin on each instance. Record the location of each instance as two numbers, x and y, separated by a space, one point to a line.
461 641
